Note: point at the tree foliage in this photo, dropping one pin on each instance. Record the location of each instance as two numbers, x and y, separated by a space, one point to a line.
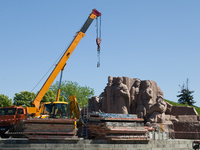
186 96
51 96
24 98
5 101
69 88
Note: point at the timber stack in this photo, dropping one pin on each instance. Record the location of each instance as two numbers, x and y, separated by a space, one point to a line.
50 128
116 127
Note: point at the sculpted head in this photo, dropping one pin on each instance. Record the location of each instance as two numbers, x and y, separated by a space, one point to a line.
137 82
119 80
110 79
146 84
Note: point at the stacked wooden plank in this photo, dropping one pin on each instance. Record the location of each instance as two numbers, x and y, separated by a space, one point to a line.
117 127
50 128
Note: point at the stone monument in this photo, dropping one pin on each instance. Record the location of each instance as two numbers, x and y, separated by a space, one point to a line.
131 96
126 95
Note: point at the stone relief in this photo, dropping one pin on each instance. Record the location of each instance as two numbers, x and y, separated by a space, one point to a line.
131 96
120 97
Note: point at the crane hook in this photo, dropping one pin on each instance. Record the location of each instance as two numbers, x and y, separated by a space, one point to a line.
98 41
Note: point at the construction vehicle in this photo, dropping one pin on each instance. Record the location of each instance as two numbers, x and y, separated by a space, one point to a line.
55 110
10 118
63 122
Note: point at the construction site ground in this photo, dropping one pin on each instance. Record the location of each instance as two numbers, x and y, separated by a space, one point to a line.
85 144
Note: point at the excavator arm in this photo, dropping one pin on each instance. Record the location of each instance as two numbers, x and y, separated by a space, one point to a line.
74 108
63 61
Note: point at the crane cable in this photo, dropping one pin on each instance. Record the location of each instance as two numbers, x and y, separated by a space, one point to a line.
98 40
53 65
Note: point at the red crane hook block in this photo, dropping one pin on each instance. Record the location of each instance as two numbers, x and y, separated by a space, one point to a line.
98 41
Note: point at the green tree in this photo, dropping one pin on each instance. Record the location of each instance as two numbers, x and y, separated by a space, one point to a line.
186 96
69 88
51 96
24 98
5 101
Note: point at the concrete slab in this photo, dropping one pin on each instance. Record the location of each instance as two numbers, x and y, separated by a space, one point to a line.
96 145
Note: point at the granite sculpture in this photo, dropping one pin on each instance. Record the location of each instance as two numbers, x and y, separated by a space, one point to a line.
131 96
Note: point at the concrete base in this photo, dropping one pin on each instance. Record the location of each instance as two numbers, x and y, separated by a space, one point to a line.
24 144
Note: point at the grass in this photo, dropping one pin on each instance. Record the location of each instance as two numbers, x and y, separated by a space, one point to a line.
177 104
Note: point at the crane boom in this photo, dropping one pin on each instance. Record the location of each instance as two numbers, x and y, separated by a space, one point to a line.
64 59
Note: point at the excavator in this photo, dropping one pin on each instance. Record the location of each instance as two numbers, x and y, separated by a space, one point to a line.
52 114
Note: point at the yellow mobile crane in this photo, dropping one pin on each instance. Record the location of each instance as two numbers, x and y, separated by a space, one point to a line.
51 109
38 110
57 123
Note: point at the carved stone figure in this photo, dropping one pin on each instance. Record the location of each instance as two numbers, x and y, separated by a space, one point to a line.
134 95
151 98
156 112
107 95
95 104
121 97
144 99
146 95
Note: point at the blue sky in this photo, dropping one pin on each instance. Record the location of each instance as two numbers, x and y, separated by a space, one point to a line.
150 40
